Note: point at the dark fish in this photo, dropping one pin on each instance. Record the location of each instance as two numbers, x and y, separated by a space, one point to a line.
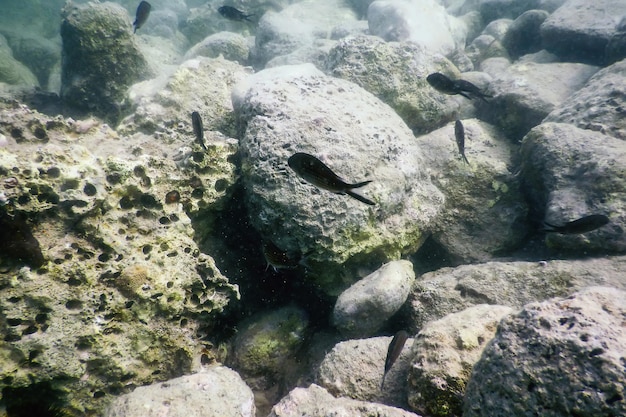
314 171
582 225
198 129
17 240
393 352
277 258
231 13
448 86
459 133
143 11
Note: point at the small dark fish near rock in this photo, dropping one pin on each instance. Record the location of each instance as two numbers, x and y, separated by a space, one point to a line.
314 171
445 85
579 226
198 129
393 352
231 13
143 11
277 258
459 133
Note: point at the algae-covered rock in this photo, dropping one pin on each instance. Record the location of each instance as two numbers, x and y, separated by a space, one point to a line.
12 71
123 289
100 58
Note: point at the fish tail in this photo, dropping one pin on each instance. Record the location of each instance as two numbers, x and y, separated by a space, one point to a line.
359 184
467 96
248 16
382 384
547 227
465 159
360 198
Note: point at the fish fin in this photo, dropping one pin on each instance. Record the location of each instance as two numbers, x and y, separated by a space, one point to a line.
248 16
360 198
467 96
359 184
547 227
465 159
382 384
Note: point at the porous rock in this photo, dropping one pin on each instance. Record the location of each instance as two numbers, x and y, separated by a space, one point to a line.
570 173
363 309
485 210
395 72
354 369
443 355
297 109
579 31
598 105
448 290
214 392
525 93
561 357
100 58
316 401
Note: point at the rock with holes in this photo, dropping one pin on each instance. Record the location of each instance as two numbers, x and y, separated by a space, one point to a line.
120 289
562 357
443 355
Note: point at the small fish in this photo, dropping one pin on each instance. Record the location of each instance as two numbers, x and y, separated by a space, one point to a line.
198 129
445 85
582 225
459 133
314 171
277 258
143 11
393 352
231 13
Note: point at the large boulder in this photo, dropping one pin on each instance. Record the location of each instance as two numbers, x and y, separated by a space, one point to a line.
100 58
570 173
298 109
559 358
214 392
598 105
12 71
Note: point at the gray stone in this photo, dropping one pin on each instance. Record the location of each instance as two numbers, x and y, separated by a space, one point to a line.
523 36
443 355
315 53
100 58
525 93
12 71
395 72
354 369
316 401
485 210
363 309
448 290
558 358
298 109
571 173
214 392
579 31
232 46
616 48
484 48
511 9
39 54
599 105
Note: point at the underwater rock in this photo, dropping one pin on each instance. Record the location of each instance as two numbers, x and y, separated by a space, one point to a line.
364 307
558 358
443 355
232 46
354 369
12 71
39 54
216 391
100 58
571 173
369 62
485 210
449 290
316 401
288 110
523 36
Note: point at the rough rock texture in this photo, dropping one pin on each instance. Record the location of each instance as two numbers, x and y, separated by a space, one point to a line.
215 392
395 72
562 357
570 173
315 53
525 93
448 290
121 287
443 355
425 23
100 58
599 105
579 31
354 369
164 104
316 401
363 309
485 210
297 109
232 46
296 26
523 36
